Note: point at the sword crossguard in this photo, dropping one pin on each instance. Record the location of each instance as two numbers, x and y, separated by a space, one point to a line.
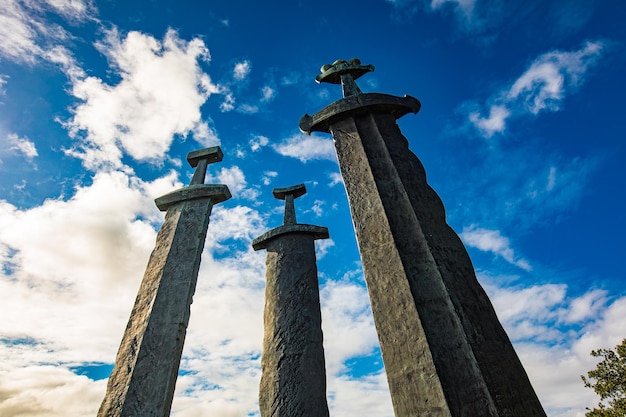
288 194
200 159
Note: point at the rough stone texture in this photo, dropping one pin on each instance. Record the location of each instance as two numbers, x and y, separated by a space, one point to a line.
143 379
430 366
504 374
444 350
293 382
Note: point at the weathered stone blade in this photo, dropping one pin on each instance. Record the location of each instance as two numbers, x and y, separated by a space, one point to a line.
143 379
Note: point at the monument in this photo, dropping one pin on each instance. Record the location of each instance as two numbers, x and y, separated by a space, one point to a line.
144 377
293 379
444 350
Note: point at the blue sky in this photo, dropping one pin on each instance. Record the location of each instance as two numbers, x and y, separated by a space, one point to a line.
521 133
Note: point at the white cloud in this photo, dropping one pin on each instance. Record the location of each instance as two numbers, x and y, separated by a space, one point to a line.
492 241
239 222
307 148
268 177
64 58
160 93
3 81
528 312
248 109
463 7
72 268
59 259
347 323
72 9
27 35
22 145
77 238
290 79
235 179
79 271
228 104
42 390
542 87
257 142
335 178
18 38
366 396
241 70
494 123
267 93
585 307
318 208
205 134
554 334
322 246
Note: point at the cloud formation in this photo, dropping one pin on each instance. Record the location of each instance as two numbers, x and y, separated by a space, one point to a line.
307 148
267 94
23 146
492 241
463 7
158 97
542 87
28 35
484 20
242 70
71 267
554 333
541 185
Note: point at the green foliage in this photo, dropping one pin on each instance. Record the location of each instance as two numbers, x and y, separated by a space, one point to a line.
608 380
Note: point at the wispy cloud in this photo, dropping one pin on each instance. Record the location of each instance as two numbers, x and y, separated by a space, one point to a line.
268 93
160 93
18 38
335 178
492 241
542 87
463 7
247 109
242 70
318 207
541 185
20 145
464 11
76 10
258 142
322 246
229 102
27 34
3 81
268 177
307 148
484 20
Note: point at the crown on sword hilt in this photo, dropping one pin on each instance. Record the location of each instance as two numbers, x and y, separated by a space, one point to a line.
344 73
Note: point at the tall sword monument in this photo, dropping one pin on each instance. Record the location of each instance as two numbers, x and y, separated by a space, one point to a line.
444 350
144 377
293 380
